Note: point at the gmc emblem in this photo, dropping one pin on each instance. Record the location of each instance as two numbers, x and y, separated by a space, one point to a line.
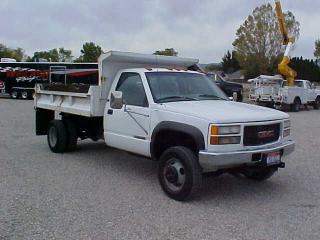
266 134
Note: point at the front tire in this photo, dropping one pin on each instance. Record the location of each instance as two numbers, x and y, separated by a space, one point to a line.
316 104
57 136
259 174
179 173
295 107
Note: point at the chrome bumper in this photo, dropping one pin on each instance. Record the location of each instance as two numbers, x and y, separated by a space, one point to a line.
211 161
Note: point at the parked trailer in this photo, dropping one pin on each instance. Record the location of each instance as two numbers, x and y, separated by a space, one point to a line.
159 107
18 79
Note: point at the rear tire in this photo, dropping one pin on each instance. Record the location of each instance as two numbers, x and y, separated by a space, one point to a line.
179 173
295 107
24 95
259 174
316 104
72 135
240 97
57 136
14 94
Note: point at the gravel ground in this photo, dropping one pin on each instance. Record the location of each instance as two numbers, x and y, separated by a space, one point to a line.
101 193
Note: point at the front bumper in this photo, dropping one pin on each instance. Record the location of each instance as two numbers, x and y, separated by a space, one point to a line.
212 161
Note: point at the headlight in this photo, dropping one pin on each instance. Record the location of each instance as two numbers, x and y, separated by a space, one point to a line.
286 124
286 132
225 130
221 135
286 128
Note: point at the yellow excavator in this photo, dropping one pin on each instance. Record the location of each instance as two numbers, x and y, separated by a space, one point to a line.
283 67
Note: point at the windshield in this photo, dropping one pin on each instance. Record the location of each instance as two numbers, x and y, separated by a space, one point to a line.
179 86
296 83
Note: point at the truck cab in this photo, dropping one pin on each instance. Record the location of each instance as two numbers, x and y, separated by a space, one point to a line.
228 87
163 109
273 91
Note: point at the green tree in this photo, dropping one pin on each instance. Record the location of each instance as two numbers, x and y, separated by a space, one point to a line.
307 69
65 55
6 52
317 50
51 55
90 52
166 52
211 67
229 62
258 41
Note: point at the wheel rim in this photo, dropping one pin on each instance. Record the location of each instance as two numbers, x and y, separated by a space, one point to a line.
14 94
24 95
53 138
174 175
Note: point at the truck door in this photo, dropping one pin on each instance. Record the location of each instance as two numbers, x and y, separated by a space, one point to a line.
311 92
128 128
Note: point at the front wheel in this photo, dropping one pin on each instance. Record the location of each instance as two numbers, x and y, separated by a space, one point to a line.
259 174
179 173
316 104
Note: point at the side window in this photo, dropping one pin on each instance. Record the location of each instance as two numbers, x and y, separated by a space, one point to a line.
130 84
308 85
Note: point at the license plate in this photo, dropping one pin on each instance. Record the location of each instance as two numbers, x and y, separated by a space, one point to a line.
273 158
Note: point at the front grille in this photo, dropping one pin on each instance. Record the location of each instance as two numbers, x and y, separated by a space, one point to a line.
262 134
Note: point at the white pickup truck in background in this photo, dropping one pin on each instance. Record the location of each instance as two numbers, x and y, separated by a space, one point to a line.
272 91
161 108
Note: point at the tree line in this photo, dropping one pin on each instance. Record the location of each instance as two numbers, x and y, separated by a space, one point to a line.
257 49
89 53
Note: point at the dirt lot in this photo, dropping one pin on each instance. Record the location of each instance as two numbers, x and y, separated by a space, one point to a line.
101 193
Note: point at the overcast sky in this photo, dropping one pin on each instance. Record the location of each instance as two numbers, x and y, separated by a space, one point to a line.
204 29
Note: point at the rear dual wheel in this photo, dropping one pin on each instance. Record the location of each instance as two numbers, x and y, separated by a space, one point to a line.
14 94
25 95
295 107
62 136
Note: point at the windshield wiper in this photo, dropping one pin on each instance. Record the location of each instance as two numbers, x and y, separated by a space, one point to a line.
211 96
179 98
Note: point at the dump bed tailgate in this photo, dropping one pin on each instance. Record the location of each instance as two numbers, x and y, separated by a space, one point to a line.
88 104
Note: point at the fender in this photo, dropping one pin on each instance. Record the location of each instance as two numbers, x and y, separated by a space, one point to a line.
194 132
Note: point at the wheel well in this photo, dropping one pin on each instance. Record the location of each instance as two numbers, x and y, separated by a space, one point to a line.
297 98
168 138
86 127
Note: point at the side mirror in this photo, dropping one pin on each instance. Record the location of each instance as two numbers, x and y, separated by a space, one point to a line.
116 100
313 86
235 96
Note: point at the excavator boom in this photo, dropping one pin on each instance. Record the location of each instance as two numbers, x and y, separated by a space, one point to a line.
283 67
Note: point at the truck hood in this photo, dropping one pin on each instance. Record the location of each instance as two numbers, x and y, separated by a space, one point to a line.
219 111
233 84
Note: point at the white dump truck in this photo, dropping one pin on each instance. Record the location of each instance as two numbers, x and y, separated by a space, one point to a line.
272 91
161 108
